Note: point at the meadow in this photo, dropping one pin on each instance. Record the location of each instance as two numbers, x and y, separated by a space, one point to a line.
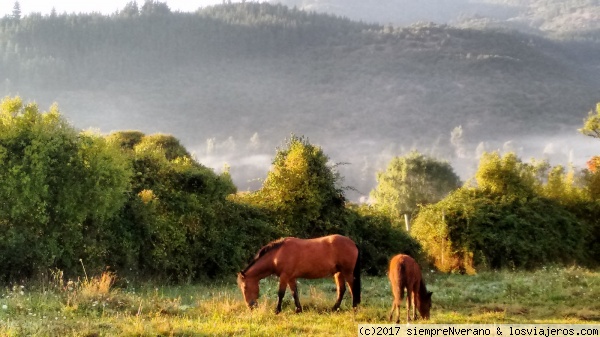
107 305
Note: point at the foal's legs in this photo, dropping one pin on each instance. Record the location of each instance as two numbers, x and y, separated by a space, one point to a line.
398 291
395 307
409 299
341 289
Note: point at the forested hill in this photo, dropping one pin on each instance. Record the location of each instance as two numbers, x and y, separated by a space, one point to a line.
232 81
555 18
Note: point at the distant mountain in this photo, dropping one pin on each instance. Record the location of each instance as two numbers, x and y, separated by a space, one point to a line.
233 81
549 17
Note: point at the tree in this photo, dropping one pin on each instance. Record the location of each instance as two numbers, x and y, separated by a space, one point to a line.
506 175
16 13
591 125
151 7
57 186
301 191
130 10
593 164
413 180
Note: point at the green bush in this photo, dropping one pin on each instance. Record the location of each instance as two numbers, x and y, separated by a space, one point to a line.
178 224
59 191
301 193
514 215
473 229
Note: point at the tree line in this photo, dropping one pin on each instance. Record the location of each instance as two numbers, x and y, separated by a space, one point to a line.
141 206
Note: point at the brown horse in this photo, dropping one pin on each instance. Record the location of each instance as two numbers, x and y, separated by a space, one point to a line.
292 258
405 273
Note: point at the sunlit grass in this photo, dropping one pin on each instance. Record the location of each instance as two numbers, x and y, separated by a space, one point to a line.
96 307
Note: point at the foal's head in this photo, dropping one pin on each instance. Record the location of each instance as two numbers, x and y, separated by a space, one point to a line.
425 305
249 287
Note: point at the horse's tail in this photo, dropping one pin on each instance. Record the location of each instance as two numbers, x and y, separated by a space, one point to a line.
356 282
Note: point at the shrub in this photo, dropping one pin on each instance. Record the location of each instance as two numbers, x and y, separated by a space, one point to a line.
473 229
59 190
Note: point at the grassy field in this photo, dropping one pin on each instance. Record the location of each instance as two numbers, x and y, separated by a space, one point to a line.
96 307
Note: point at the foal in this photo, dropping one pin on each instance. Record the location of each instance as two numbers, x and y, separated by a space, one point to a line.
405 273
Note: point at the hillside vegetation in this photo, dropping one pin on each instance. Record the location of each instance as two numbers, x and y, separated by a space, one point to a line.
556 18
231 73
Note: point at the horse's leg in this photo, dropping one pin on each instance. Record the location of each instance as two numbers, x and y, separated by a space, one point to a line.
395 307
409 296
414 303
397 292
349 277
281 293
294 290
341 289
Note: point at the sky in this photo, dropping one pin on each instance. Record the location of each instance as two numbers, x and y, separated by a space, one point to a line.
88 6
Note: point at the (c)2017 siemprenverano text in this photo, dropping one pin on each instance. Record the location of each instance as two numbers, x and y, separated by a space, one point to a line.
468 330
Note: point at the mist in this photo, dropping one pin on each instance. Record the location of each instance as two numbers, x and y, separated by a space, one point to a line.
249 162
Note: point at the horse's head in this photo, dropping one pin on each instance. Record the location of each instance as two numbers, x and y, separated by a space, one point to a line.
425 305
249 287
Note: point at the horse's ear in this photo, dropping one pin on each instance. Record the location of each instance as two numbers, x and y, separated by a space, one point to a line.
242 275
429 293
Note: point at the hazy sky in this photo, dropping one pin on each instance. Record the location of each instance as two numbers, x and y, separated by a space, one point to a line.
104 6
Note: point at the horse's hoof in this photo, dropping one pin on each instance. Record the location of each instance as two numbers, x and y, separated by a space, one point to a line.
277 311
298 310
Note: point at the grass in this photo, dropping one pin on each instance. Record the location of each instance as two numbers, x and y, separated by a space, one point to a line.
96 307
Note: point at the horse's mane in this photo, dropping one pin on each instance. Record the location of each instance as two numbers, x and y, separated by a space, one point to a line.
273 245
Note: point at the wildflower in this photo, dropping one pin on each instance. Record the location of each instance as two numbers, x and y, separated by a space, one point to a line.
4 306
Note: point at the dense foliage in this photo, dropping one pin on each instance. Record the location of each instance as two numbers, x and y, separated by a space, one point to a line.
140 205
177 222
515 215
59 191
301 191
131 202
